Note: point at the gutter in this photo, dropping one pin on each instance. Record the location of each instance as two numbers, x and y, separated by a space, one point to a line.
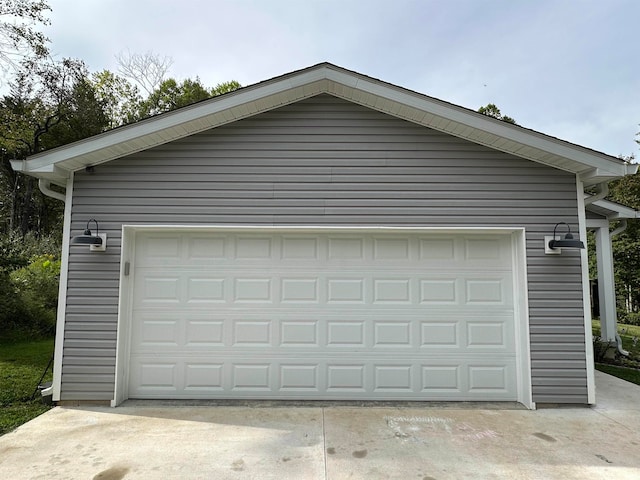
45 187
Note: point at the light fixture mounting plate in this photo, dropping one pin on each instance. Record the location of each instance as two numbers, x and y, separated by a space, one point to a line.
548 250
100 248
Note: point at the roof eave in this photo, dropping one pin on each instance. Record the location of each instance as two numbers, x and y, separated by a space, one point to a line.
612 210
351 86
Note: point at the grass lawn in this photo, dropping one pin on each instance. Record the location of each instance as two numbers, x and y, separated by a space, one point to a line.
21 365
629 374
627 333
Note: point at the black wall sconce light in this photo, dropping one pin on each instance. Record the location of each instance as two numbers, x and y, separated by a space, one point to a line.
554 245
97 242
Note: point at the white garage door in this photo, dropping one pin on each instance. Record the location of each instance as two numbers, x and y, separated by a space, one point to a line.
307 315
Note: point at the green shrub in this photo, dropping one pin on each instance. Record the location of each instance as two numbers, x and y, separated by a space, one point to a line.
36 295
629 318
9 305
18 251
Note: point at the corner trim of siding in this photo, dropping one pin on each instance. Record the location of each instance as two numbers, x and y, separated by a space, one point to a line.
62 293
586 294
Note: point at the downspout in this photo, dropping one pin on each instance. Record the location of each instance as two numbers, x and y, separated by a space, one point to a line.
602 190
617 231
620 229
45 187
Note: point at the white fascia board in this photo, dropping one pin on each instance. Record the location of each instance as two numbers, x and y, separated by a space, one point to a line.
615 210
498 128
170 120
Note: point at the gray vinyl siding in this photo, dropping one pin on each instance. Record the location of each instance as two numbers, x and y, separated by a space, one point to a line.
325 161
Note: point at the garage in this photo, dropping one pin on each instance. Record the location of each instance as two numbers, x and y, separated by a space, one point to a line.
309 313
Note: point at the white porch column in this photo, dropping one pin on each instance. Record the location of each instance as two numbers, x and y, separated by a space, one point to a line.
606 284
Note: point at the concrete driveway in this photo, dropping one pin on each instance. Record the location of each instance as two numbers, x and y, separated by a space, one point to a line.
310 442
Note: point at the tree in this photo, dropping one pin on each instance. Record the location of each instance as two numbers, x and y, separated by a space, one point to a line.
225 87
148 69
171 95
50 104
120 98
491 110
626 250
18 37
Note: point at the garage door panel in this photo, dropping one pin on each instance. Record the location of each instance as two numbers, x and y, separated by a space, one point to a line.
299 377
190 287
299 333
487 334
203 333
396 334
156 332
204 289
440 334
395 249
158 290
154 376
299 290
255 333
294 333
230 249
205 248
311 315
203 377
299 248
337 378
489 379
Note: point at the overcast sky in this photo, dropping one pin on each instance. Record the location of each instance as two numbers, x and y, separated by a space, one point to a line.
567 68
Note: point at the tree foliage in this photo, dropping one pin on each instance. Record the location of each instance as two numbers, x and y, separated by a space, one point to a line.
491 110
50 104
119 97
172 94
149 72
626 250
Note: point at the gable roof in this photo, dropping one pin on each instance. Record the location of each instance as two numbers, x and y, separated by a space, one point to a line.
593 167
